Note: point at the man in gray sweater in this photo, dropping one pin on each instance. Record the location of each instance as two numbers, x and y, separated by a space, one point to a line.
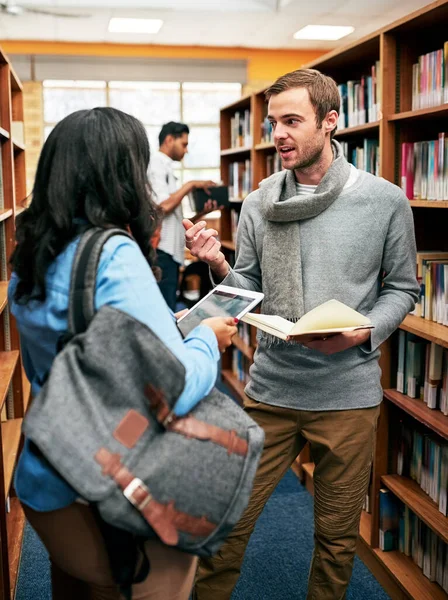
319 229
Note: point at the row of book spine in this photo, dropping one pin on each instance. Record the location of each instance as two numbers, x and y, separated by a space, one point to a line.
424 169
240 130
430 79
360 99
240 365
240 177
273 164
432 275
402 530
423 456
365 157
422 371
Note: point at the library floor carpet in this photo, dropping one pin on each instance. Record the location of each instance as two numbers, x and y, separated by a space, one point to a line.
276 563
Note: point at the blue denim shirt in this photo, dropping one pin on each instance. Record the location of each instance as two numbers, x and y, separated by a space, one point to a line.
125 281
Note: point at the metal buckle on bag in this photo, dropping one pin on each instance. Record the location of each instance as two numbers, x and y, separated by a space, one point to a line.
129 491
169 419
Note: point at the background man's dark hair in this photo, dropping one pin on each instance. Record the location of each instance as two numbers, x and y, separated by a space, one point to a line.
177 130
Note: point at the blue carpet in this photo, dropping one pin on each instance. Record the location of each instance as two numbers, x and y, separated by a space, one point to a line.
276 562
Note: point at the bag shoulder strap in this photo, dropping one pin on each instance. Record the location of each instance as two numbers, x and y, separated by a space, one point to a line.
83 277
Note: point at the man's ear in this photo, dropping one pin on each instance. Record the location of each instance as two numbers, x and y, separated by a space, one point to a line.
331 121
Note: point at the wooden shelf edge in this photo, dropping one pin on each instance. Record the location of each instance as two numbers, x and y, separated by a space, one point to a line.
5 213
234 384
428 203
411 494
242 102
18 147
8 363
15 523
434 332
358 129
417 409
11 437
3 295
239 150
4 134
422 113
265 146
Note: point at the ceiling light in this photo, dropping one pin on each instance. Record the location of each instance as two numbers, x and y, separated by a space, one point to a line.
322 32
117 25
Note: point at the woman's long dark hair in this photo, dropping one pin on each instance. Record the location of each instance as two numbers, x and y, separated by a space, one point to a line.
93 168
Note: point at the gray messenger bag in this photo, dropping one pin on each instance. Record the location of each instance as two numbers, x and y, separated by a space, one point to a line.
104 421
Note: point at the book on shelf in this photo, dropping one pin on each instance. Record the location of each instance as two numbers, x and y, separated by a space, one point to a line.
423 457
360 99
365 157
432 275
240 176
424 169
240 131
400 529
429 79
200 197
273 164
266 128
422 371
327 319
388 520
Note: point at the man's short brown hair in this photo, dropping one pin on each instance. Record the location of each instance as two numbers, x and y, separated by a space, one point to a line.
323 91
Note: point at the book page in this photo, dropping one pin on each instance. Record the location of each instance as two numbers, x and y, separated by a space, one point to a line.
330 316
272 321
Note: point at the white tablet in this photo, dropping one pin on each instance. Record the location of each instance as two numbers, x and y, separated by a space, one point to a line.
222 301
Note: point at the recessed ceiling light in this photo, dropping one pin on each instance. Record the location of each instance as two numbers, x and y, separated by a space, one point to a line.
322 32
117 25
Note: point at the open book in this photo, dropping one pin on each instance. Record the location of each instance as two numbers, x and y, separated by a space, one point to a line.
326 319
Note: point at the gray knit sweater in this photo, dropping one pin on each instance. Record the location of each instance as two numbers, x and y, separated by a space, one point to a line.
368 230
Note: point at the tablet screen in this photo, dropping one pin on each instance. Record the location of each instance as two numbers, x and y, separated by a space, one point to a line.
218 304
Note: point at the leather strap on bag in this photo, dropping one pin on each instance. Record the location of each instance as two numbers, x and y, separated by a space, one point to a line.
191 427
163 518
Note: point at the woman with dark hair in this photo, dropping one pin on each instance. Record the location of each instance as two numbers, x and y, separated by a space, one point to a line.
92 172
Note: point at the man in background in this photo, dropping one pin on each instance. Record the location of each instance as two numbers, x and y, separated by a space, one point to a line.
173 145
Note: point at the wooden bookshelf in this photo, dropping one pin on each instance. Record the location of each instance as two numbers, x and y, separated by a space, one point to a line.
13 383
411 494
433 419
359 129
236 151
11 437
421 114
428 203
426 329
3 295
5 213
407 576
265 146
8 364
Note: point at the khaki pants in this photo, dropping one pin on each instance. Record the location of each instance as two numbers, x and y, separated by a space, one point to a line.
341 445
80 567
